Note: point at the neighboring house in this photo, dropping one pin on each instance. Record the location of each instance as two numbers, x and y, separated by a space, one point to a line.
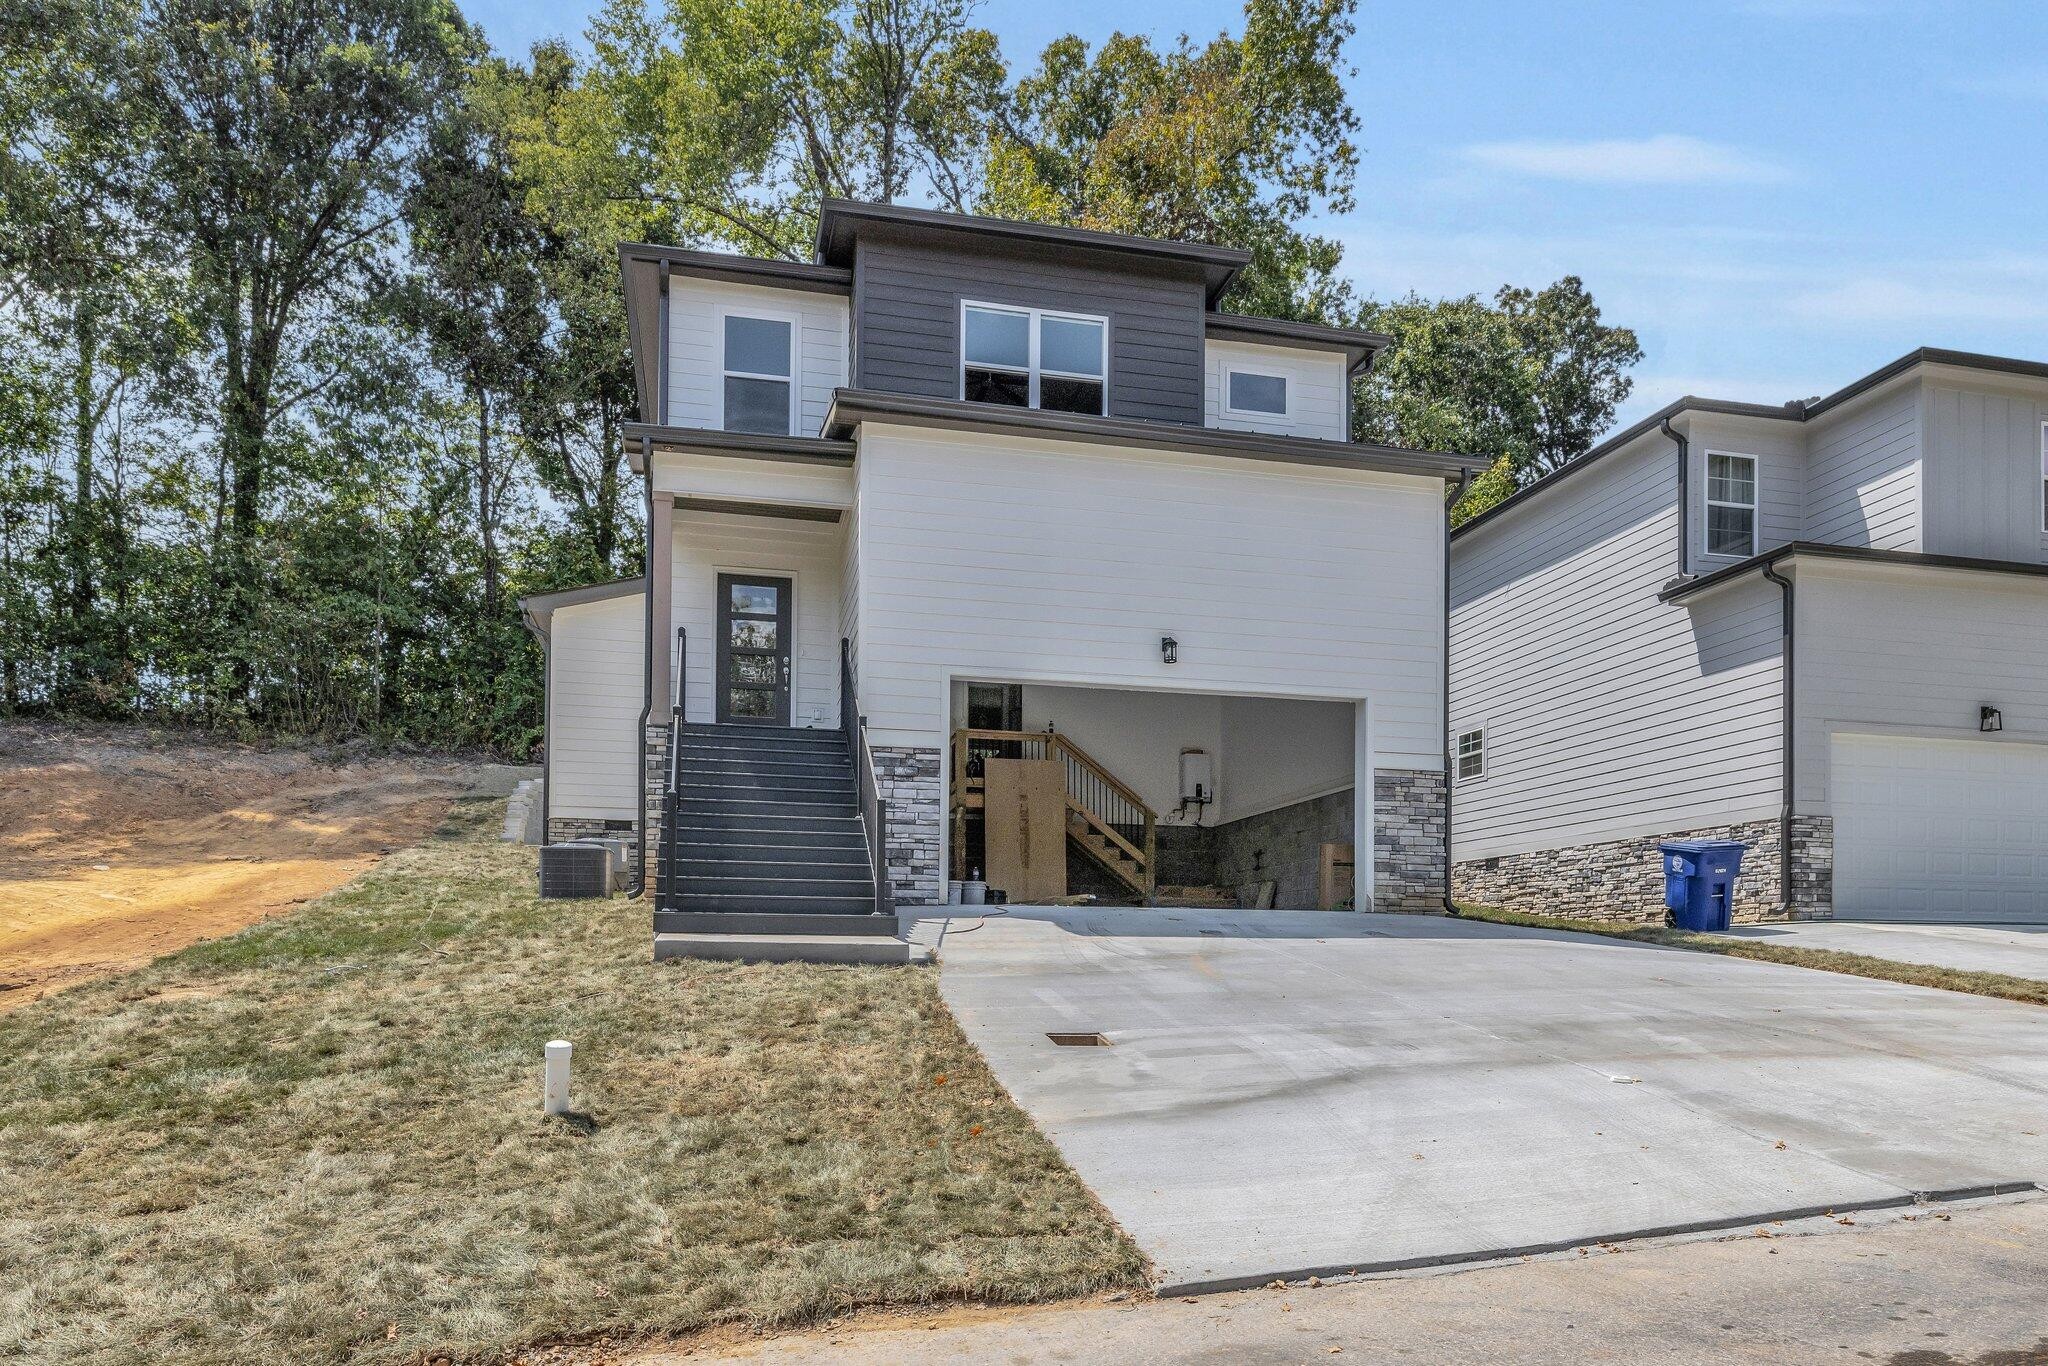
1820 628
965 493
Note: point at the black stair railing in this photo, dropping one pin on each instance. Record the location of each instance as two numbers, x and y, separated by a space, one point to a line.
669 886
874 810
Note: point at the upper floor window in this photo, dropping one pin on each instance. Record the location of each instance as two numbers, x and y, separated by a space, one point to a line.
2044 478
1471 755
1731 504
1246 391
760 387
1029 358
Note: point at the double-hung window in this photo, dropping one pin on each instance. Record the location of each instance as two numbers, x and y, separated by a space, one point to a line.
759 374
1471 755
1731 504
1030 358
1251 394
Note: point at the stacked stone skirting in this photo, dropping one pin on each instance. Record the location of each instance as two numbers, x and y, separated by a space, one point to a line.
653 788
1624 879
564 828
907 778
1408 839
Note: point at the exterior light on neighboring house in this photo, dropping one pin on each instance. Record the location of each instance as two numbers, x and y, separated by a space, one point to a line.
1989 719
1169 649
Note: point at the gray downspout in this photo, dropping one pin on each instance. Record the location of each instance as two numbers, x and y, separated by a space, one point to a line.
1684 505
1457 495
646 671
1786 756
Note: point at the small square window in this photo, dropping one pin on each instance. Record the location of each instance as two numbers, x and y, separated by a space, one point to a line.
1250 393
1471 756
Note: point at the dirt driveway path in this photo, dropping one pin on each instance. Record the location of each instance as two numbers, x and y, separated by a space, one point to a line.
118 846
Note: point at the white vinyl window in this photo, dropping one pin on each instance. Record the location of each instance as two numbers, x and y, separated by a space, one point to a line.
1471 755
759 373
1731 505
1250 393
1031 358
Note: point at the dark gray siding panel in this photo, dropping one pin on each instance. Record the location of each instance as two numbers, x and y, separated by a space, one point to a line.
907 319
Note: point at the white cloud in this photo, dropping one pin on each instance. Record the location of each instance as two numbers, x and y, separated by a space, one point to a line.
1665 159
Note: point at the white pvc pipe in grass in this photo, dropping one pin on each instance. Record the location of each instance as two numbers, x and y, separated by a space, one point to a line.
554 1092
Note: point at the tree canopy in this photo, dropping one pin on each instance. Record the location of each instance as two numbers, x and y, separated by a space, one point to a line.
312 350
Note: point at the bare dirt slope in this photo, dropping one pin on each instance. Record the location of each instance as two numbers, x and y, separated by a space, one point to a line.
118 845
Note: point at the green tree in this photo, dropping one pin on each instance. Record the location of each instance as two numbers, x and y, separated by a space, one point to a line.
1526 382
274 139
1232 142
724 121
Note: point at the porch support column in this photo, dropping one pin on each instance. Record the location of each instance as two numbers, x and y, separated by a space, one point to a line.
661 548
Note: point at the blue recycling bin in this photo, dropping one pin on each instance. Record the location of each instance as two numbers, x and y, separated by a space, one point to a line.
1699 881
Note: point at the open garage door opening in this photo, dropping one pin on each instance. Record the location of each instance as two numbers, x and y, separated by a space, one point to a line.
1132 797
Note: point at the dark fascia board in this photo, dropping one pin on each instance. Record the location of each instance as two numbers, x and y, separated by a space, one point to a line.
851 407
537 608
1688 404
810 450
1359 347
746 270
840 222
1817 550
1797 410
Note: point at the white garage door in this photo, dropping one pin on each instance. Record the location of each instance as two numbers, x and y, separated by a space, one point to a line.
1939 829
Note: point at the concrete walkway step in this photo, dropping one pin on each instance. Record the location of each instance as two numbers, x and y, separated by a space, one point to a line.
842 949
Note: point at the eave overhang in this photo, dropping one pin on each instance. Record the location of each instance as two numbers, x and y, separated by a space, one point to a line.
852 407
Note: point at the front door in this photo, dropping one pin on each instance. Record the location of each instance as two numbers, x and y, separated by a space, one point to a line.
753 649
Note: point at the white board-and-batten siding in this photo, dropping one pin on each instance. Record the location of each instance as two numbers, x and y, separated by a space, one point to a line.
1038 560
1608 714
596 688
1318 394
695 394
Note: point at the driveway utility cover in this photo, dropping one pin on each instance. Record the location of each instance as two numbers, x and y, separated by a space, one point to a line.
1315 1091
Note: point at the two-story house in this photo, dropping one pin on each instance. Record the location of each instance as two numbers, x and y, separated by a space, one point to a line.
983 547
1820 628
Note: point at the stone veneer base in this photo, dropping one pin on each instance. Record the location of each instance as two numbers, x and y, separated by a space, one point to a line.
1624 879
907 778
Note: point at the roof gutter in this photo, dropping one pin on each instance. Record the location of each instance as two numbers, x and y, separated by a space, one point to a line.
1450 503
1785 758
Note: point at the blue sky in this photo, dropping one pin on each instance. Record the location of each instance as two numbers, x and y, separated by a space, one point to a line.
1778 195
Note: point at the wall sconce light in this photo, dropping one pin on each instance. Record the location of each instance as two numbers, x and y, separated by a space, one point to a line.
1169 649
1989 719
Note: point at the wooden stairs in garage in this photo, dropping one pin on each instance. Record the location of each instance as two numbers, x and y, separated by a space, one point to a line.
1106 820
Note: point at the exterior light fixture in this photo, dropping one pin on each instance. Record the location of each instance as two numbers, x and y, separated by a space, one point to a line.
1169 649
1989 719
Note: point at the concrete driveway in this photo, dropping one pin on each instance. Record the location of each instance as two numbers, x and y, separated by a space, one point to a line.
2016 950
1293 1092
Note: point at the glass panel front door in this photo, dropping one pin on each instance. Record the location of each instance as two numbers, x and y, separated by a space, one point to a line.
753 649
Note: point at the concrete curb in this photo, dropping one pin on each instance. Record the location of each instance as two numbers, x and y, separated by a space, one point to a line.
1347 1270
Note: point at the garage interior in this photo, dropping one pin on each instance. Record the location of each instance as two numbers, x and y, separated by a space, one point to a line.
1131 797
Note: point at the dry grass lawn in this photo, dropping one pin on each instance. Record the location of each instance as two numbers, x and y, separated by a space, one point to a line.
320 1139
1827 960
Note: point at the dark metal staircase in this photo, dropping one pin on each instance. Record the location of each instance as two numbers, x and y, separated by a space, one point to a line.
770 830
